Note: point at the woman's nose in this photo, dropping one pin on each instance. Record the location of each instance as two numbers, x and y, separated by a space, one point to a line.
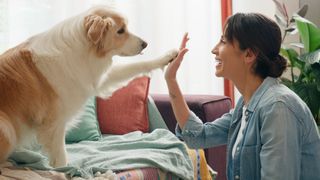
214 50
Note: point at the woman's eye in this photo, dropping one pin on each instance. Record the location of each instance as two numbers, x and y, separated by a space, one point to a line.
222 39
121 31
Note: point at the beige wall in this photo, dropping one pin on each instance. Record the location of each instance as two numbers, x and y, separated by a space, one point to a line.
265 7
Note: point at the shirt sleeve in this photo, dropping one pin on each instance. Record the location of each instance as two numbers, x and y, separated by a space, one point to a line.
197 134
280 152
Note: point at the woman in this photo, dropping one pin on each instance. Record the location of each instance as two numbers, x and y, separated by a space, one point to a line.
271 133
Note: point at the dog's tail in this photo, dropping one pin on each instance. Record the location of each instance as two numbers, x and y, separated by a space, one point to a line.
8 137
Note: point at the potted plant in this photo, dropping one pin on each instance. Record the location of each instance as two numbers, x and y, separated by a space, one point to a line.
304 57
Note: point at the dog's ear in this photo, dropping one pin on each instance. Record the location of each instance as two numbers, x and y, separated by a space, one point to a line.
96 27
26 54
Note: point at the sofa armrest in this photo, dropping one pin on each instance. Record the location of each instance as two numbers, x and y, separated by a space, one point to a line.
207 108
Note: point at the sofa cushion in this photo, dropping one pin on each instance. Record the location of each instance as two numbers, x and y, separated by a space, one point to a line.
126 110
155 119
87 128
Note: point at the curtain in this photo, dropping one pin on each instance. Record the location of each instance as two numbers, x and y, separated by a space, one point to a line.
226 11
161 23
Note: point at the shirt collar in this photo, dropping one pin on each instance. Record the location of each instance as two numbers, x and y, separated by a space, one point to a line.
262 89
255 99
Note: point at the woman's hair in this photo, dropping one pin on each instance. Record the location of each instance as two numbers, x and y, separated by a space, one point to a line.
263 36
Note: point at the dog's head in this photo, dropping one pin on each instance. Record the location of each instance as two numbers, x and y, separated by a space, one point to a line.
108 33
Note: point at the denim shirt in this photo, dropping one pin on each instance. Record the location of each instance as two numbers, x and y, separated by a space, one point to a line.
280 142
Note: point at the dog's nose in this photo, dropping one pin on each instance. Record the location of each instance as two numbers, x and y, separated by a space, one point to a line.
144 44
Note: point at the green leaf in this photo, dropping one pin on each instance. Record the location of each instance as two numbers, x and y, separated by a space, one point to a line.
298 45
286 81
309 33
288 52
315 68
292 56
310 95
281 21
311 58
290 29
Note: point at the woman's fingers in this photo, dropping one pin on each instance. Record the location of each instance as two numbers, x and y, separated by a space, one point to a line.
174 65
184 41
177 61
179 57
181 54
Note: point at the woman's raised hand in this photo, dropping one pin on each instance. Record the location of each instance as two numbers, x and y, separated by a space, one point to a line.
173 67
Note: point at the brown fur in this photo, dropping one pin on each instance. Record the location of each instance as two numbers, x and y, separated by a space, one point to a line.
25 95
5 143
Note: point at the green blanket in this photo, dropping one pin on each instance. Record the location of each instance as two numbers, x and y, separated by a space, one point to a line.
159 149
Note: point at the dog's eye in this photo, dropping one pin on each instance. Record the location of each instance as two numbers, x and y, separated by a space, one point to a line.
121 31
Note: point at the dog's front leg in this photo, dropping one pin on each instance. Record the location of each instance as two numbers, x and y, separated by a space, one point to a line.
52 139
120 75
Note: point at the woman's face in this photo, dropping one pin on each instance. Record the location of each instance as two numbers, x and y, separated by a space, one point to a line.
229 59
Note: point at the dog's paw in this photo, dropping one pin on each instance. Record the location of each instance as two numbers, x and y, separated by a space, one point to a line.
168 57
58 162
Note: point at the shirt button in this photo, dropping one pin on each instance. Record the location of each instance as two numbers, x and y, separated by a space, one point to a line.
237 149
237 177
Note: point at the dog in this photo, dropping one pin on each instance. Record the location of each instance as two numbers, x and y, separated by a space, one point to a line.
46 80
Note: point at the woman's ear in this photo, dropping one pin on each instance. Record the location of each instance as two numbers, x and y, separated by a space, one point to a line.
250 56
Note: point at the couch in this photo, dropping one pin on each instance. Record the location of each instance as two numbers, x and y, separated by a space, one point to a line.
134 123
208 108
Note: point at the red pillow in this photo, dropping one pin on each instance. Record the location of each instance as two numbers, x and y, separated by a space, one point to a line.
126 110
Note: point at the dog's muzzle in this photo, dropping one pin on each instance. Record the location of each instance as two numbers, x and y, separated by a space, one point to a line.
144 44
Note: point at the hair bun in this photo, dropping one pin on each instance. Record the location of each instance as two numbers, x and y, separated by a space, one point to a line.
278 66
